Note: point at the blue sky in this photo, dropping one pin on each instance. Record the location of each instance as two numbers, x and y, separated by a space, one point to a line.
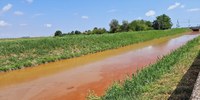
35 18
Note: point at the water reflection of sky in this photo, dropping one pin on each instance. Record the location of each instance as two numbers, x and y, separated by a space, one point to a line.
180 40
157 50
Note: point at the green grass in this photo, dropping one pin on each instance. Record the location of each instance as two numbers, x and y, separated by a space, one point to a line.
143 85
20 53
178 83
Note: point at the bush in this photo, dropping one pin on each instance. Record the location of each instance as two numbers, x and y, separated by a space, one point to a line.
140 25
99 30
58 33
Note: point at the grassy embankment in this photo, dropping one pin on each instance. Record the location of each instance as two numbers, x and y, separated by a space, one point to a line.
161 80
20 53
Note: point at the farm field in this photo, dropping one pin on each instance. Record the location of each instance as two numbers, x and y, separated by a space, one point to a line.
21 53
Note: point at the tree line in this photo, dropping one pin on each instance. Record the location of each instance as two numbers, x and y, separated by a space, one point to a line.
162 22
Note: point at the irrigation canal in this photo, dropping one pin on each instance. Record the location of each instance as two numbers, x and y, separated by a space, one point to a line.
72 79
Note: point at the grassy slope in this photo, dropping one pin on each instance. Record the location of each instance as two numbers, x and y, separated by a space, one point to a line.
158 81
19 53
176 84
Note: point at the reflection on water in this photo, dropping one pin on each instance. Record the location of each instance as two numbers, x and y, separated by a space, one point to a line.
180 40
72 78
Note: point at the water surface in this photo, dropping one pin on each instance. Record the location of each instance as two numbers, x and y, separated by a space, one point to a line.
72 79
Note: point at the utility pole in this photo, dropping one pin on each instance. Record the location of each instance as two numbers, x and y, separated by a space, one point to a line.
189 23
177 24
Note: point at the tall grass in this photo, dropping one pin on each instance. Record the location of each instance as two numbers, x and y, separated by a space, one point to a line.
133 86
20 53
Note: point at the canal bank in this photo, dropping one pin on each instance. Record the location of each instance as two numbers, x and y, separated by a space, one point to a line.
71 79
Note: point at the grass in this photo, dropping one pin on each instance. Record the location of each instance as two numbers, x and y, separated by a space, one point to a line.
20 53
157 81
178 83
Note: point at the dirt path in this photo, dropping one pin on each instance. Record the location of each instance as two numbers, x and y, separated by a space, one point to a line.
71 79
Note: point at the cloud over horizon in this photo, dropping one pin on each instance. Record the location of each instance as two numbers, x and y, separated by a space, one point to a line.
29 1
18 13
6 8
3 23
84 17
193 10
176 5
48 25
43 17
112 11
150 13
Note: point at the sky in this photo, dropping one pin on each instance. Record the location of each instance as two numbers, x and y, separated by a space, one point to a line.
34 18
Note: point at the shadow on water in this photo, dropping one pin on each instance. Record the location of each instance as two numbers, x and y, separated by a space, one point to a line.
185 87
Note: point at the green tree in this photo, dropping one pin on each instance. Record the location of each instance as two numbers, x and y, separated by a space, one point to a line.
104 30
99 30
77 32
114 26
96 31
149 24
162 22
140 25
58 33
72 32
125 26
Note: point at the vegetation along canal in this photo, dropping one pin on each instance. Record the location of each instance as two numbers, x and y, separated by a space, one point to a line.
69 80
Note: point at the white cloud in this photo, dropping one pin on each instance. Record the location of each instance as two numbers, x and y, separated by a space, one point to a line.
6 8
112 11
29 1
150 13
18 13
193 9
84 17
37 14
174 6
3 23
48 25
23 24
182 6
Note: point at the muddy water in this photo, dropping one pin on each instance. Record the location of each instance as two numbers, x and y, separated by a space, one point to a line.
72 79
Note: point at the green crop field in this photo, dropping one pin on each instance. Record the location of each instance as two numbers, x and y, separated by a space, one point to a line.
157 81
20 53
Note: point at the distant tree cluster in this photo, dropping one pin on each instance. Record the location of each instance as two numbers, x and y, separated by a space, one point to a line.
136 25
87 32
96 31
58 33
162 22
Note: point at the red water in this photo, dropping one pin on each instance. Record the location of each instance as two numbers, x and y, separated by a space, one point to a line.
72 79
